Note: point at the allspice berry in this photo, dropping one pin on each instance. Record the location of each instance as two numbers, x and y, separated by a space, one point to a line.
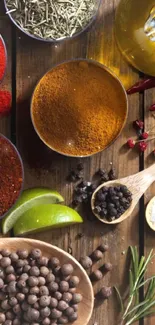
55 313
103 248
53 302
57 295
76 299
69 311
96 275
86 262
2 318
63 320
73 317
108 267
67 296
67 269
62 305
97 255
105 292
63 286
74 281
54 262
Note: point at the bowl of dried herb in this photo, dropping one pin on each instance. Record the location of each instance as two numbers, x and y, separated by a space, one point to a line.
11 175
52 20
79 108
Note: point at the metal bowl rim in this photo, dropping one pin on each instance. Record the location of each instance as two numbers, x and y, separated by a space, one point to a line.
55 40
22 166
104 67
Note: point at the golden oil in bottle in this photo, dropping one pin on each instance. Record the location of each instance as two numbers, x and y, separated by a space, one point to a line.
135 33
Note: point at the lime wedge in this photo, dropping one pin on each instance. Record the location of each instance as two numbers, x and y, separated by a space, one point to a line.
28 199
46 216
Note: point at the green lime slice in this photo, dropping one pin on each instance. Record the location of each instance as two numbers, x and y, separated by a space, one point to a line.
46 216
28 199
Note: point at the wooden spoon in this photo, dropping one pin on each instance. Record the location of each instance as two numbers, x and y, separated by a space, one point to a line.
137 185
84 287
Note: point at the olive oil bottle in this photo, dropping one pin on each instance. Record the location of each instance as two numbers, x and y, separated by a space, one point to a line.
135 33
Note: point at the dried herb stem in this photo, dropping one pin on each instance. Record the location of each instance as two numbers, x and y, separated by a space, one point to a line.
52 19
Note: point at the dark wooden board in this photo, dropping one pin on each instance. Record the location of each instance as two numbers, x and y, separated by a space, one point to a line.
46 168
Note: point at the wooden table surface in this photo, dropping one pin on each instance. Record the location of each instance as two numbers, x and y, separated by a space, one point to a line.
28 60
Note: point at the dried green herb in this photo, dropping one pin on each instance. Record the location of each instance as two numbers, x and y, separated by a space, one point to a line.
135 310
52 19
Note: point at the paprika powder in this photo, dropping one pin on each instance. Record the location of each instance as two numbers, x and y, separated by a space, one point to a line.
11 175
5 102
78 108
2 58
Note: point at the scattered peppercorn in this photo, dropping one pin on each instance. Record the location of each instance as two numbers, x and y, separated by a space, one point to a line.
103 248
86 262
97 255
96 275
105 292
108 267
112 174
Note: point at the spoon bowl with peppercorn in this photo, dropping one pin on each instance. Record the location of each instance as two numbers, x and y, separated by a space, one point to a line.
114 201
46 276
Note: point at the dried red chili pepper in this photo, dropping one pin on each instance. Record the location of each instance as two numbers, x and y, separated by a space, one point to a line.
142 85
5 102
11 175
152 108
2 59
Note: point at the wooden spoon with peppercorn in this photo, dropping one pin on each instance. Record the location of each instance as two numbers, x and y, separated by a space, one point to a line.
114 201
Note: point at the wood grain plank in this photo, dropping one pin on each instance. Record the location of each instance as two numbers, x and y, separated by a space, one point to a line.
45 168
149 160
5 31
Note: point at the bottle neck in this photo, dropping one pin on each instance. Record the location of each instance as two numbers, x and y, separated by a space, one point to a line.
149 27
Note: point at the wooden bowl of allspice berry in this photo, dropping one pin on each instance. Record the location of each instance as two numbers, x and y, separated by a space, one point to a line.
42 284
79 108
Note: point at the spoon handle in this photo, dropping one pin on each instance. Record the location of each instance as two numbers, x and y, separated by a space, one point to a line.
139 183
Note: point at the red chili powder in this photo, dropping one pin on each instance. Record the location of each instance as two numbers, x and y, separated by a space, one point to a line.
5 102
2 59
11 175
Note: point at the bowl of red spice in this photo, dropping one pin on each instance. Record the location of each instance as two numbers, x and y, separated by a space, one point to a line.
11 175
3 58
79 108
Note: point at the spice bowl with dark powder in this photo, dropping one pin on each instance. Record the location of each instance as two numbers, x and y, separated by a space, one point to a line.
11 175
110 202
79 108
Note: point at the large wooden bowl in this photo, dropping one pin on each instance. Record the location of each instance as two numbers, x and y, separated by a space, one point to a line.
85 287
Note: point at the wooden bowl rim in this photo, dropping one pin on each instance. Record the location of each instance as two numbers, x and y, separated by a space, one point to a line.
61 251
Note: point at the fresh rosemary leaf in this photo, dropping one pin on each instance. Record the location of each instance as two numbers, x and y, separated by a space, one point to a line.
137 307
135 310
120 299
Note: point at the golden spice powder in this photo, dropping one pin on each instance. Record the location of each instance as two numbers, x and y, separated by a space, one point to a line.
78 108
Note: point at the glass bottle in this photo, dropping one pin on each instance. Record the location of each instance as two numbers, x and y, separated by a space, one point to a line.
135 33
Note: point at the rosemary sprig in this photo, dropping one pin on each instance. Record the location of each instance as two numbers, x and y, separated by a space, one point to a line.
52 19
134 310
